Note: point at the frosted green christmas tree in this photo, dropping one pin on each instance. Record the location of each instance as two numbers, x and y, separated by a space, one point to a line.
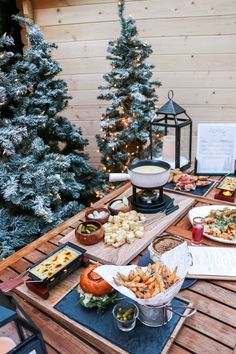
44 174
132 92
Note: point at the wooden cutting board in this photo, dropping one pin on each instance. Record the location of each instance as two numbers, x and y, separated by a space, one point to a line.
154 225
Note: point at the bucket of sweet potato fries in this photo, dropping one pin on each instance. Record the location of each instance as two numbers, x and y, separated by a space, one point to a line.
152 287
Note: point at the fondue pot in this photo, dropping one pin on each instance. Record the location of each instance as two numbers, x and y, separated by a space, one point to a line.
144 179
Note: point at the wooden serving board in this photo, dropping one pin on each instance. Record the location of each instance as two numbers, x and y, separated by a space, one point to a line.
154 225
58 293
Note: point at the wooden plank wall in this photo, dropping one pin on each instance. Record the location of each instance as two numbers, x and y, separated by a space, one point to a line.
194 44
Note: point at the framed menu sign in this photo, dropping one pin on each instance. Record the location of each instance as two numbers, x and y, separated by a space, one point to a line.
216 148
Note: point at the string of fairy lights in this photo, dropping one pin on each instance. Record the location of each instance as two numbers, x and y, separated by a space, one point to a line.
123 121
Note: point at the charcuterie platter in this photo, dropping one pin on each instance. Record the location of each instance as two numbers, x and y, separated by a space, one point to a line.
189 184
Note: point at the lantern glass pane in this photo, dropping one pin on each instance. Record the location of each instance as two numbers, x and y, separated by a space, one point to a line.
157 141
168 147
184 145
164 145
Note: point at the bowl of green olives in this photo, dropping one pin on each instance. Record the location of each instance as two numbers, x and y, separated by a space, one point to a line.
89 232
125 313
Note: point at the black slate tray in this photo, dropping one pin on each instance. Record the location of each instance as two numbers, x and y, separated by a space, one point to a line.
140 340
201 191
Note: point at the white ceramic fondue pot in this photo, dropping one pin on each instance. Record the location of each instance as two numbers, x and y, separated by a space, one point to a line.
142 179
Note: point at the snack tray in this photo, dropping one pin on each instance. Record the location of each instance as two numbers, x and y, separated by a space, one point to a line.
61 273
231 186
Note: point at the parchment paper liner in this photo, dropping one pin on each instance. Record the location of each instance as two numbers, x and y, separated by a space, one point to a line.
175 257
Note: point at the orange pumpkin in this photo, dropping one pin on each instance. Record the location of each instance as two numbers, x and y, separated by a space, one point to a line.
91 282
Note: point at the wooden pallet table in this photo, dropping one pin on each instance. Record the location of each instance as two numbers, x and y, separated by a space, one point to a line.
211 330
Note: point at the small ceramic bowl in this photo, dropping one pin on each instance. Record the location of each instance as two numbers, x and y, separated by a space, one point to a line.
115 211
92 237
102 220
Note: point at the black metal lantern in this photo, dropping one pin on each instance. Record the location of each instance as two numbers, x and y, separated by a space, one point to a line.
176 126
18 333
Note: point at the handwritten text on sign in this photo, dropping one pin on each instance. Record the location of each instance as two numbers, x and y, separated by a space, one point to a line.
216 148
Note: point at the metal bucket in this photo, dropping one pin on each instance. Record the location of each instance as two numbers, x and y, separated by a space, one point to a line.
157 316
155 255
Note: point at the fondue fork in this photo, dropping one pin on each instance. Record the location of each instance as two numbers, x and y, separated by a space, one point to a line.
170 208
11 284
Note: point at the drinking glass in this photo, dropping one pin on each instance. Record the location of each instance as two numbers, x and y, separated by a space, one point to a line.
129 324
197 230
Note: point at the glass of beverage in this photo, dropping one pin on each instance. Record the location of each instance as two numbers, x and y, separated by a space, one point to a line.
125 314
197 230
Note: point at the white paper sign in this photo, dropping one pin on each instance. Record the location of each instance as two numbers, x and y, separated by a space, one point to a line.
216 148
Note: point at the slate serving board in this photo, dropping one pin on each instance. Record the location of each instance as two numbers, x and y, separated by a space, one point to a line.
200 191
142 339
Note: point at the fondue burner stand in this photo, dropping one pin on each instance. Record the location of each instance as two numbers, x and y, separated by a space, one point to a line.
149 200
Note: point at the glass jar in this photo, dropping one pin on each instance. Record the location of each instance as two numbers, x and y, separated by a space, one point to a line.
125 313
197 230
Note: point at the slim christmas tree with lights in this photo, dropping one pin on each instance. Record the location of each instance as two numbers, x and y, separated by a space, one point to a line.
132 92
44 174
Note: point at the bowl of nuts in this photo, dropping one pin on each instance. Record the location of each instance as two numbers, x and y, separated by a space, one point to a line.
89 232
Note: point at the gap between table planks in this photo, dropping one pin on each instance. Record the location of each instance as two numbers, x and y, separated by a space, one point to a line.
154 225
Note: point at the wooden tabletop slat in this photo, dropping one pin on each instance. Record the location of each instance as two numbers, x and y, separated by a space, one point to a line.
212 328
208 306
176 349
51 350
7 274
55 335
21 265
77 222
47 247
184 223
107 198
56 240
66 231
215 292
230 285
199 343
34 256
